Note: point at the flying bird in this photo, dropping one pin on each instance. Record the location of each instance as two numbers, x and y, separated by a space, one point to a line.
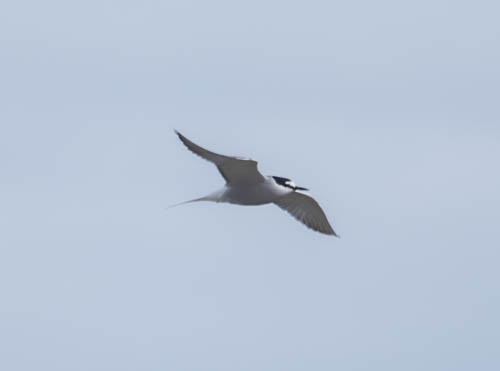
245 185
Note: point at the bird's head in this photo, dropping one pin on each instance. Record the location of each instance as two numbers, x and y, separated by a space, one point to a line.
288 183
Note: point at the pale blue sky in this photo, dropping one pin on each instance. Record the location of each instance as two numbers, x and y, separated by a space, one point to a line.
388 111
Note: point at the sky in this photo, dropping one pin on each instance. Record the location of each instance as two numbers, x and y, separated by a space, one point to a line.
387 111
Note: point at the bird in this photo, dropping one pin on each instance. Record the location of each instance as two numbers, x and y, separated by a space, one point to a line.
245 185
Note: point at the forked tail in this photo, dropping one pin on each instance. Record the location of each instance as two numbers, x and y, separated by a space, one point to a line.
214 197
187 202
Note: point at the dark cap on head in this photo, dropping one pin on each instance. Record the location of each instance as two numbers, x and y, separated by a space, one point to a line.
285 182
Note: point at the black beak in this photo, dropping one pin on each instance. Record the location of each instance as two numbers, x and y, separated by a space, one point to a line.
301 189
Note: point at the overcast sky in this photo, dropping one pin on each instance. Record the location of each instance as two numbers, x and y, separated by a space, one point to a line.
387 111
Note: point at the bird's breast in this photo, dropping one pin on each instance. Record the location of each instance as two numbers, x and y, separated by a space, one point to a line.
255 194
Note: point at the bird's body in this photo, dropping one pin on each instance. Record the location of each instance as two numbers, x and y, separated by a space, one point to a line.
245 185
256 194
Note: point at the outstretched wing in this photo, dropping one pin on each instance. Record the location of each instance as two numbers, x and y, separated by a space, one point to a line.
235 170
305 209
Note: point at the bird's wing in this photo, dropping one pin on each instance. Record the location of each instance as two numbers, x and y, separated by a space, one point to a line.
305 209
235 170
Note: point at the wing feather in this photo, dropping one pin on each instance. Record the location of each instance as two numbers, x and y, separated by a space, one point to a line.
235 170
305 209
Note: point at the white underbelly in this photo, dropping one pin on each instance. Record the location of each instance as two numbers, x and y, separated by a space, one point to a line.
258 194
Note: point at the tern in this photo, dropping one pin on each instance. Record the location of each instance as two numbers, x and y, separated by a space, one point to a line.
245 185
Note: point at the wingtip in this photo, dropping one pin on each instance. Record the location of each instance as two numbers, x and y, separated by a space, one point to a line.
331 233
180 136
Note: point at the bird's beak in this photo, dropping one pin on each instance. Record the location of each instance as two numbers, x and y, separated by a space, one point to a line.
301 189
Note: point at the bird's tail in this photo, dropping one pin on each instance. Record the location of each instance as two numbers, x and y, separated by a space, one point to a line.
214 197
188 202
